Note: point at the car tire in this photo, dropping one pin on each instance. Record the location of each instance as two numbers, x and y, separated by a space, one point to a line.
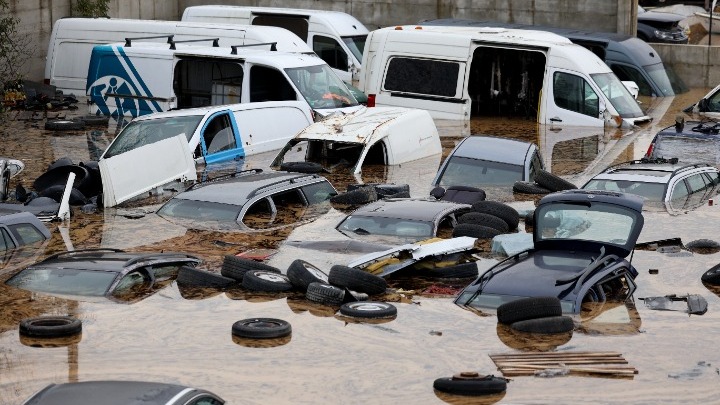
261 328
474 231
358 196
50 326
703 246
64 125
462 270
384 190
301 274
368 309
301 167
56 193
552 182
356 280
63 161
550 324
526 187
235 267
193 277
266 281
461 385
59 176
95 120
479 218
325 294
528 308
712 276
500 210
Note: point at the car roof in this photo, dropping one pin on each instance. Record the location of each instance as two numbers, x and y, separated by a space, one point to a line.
108 393
647 171
109 260
492 148
408 208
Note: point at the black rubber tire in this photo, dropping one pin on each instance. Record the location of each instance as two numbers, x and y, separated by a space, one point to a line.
358 196
63 161
504 211
301 274
552 182
267 281
59 176
528 308
356 280
703 246
550 324
325 294
56 192
462 270
475 231
712 276
526 187
437 192
384 190
480 193
50 326
368 309
98 120
64 125
301 167
235 267
402 194
486 386
190 276
489 220
261 328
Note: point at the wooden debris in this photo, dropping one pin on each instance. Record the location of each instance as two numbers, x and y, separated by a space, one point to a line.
576 363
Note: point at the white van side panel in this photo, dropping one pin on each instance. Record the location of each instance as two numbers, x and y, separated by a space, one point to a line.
264 129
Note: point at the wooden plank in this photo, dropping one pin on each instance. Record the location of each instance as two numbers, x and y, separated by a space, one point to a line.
555 362
555 354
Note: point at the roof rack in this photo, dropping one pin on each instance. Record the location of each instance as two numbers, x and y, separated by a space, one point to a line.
80 251
128 41
275 184
223 177
215 42
233 48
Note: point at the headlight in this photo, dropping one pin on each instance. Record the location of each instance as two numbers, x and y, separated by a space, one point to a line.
663 34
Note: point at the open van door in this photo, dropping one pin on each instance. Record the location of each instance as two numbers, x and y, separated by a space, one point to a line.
570 98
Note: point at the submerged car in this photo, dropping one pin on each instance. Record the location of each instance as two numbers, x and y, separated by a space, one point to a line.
654 26
19 229
102 273
709 105
581 239
689 142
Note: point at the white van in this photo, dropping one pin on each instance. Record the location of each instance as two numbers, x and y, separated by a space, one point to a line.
338 38
137 78
459 72
72 40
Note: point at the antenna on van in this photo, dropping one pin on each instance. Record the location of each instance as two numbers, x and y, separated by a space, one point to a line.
128 41
233 51
215 42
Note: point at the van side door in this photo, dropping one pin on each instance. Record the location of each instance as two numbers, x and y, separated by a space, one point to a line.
333 53
570 99
220 139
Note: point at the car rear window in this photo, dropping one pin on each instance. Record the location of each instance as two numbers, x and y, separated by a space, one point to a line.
64 281
477 173
200 210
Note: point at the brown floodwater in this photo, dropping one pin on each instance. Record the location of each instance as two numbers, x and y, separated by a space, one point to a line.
184 336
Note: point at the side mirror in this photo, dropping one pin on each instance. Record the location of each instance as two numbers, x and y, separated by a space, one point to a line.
353 69
702 105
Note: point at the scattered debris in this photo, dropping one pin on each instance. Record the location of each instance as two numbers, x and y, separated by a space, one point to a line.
696 304
576 363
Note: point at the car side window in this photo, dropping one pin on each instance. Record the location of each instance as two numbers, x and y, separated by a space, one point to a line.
697 183
218 135
329 50
714 102
268 84
679 191
26 233
131 282
535 166
6 241
573 93
318 192
204 401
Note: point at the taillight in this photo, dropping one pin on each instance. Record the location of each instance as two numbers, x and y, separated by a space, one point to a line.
371 100
650 150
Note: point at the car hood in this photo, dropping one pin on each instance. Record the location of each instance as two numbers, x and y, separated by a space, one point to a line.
657 16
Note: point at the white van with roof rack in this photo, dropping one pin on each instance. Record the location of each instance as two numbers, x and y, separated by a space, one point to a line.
459 72
337 37
136 78
72 40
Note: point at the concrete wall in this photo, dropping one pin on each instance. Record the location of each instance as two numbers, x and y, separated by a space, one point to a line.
697 65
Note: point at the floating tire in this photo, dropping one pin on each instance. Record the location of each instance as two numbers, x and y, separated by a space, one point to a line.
703 246
50 326
192 277
552 182
358 196
526 187
56 193
474 231
63 161
266 281
95 120
64 125
550 324
462 270
325 294
261 328
454 194
356 280
528 308
480 218
301 274
384 190
500 210
368 309
59 176
301 167
235 267
712 276
470 383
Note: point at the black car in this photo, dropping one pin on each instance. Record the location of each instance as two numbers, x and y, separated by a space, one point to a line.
581 241
655 26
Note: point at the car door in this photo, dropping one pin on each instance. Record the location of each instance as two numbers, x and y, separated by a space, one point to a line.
220 139
570 100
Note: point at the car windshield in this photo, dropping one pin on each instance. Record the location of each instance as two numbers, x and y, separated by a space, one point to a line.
144 132
200 210
653 192
359 225
64 281
321 87
477 173
666 78
618 95
595 222
356 44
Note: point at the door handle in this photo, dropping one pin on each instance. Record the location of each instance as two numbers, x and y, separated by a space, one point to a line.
555 119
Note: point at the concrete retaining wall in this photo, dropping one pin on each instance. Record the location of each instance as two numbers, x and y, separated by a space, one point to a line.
697 65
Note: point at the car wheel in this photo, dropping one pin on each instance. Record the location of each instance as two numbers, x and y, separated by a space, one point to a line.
59 176
95 120
325 294
479 218
703 246
261 328
712 276
527 187
462 270
368 309
500 210
471 383
550 324
235 267
301 274
528 308
190 276
50 326
552 182
301 167
56 193
358 196
474 231
268 281
356 279
64 125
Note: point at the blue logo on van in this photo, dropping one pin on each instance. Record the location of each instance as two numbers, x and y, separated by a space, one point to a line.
115 86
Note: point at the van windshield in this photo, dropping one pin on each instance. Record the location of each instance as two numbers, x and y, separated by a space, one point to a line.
145 132
618 95
666 78
321 87
356 44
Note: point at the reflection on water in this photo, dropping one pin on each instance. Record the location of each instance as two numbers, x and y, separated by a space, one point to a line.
183 335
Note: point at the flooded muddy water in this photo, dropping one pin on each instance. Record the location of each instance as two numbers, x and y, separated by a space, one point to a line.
184 336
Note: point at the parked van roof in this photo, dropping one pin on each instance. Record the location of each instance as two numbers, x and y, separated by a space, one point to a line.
488 34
